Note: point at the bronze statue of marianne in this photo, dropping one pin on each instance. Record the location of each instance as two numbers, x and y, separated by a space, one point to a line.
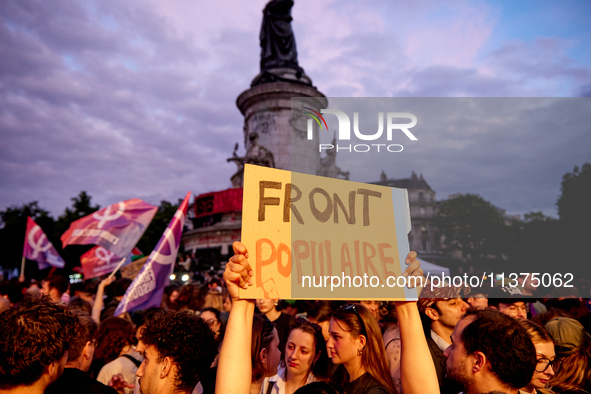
278 47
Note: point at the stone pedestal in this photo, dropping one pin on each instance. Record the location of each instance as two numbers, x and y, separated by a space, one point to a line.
267 110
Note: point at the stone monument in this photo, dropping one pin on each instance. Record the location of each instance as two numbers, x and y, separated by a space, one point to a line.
328 164
274 136
255 154
267 106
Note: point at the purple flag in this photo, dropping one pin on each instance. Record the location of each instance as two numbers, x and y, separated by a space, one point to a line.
146 289
38 248
116 228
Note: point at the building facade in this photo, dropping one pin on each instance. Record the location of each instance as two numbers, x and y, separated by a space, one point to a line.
424 237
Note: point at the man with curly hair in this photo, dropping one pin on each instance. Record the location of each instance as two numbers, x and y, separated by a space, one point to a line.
178 349
34 345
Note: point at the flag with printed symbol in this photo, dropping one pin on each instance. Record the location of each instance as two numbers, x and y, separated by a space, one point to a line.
117 228
99 261
38 248
146 289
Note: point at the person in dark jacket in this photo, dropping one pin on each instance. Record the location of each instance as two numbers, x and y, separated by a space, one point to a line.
80 355
441 309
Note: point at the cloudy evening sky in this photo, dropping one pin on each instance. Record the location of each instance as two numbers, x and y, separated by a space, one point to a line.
137 98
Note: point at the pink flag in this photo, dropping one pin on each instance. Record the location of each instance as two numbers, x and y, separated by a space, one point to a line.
146 289
99 261
38 248
116 228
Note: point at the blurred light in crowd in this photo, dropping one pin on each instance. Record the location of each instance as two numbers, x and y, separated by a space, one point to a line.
76 278
185 278
172 276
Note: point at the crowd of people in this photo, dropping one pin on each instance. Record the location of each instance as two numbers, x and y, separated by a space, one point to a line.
58 337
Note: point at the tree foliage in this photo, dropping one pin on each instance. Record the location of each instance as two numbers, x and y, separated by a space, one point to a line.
574 203
574 210
533 243
473 226
156 228
538 243
81 206
15 215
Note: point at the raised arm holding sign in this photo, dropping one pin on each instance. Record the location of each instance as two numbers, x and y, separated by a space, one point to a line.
235 366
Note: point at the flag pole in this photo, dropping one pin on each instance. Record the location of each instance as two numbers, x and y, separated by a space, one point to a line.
117 268
22 275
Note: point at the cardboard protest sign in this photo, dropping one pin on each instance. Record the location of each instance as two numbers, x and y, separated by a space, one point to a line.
130 271
311 237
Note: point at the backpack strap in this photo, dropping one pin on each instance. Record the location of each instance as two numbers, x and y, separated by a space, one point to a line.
270 387
391 340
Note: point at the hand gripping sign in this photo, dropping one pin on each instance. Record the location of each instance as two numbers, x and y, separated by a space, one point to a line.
311 237
37 247
146 289
116 228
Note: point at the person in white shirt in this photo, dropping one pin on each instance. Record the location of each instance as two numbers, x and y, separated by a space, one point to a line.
126 364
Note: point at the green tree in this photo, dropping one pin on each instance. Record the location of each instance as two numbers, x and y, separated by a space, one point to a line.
472 226
81 206
574 211
157 226
574 206
533 243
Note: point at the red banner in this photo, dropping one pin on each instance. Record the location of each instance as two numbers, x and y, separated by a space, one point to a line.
218 202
